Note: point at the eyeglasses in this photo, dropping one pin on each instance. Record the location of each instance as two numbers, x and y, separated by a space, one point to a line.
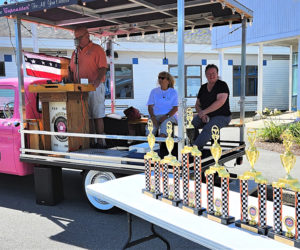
211 74
161 78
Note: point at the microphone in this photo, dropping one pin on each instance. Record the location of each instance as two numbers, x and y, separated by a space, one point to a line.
76 43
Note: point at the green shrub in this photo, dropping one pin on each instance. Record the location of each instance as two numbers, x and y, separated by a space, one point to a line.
277 112
272 131
268 112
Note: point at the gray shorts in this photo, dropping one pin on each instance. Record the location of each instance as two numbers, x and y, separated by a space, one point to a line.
96 102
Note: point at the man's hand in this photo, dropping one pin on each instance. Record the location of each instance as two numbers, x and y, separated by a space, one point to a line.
201 114
205 119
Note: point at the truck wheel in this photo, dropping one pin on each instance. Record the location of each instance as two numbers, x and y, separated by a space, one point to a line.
92 177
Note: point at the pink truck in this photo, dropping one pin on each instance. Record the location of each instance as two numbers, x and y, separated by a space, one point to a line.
97 165
47 175
10 140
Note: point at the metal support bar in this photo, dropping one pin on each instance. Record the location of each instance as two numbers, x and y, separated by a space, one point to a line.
180 38
110 47
19 59
154 235
243 80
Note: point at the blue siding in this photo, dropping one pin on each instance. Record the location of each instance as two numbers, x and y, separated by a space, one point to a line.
272 19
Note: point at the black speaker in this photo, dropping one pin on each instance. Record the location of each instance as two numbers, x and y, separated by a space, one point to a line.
48 185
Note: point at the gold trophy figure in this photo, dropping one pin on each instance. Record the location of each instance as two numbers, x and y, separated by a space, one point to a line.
260 226
288 161
169 144
149 158
170 196
217 215
151 141
190 130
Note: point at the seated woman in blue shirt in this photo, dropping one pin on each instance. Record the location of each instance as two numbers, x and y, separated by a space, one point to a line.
163 104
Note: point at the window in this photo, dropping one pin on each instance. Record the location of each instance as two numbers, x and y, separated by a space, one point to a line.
7 101
123 82
192 75
2 69
251 81
54 52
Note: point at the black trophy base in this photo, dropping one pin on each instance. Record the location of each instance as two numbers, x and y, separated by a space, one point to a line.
165 199
253 228
193 210
284 239
150 194
220 219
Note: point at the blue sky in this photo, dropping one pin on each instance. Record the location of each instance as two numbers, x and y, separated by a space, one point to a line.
11 1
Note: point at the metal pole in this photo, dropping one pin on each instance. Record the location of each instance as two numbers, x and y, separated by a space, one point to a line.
35 45
260 79
221 62
181 99
290 77
19 60
110 47
243 80
298 85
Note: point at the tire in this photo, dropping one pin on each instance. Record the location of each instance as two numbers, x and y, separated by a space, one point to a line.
91 177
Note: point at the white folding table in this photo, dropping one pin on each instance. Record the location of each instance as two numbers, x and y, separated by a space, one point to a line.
126 193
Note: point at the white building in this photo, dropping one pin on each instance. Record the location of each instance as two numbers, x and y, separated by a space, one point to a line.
275 24
140 60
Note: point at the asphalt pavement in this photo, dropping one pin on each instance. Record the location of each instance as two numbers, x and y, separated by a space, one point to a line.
72 224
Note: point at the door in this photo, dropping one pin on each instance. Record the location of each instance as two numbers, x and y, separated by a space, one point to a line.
7 105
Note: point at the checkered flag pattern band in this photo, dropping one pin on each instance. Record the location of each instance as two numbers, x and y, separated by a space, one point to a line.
185 178
225 196
197 169
297 208
262 205
277 209
157 177
244 200
165 179
147 174
176 183
210 193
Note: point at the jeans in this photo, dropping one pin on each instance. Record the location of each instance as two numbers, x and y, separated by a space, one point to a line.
201 139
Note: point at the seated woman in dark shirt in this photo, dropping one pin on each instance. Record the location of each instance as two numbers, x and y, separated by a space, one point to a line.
212 106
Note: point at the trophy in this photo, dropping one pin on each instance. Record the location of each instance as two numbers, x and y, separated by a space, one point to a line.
288 161
190 203
217 209
149 158
260 226
170 193
190 130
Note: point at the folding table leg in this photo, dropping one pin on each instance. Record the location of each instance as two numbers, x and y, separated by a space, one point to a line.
154 234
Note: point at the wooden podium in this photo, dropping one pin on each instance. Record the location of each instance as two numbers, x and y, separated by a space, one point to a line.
64 109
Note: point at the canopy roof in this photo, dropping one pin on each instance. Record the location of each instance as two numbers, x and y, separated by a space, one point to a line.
127 17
